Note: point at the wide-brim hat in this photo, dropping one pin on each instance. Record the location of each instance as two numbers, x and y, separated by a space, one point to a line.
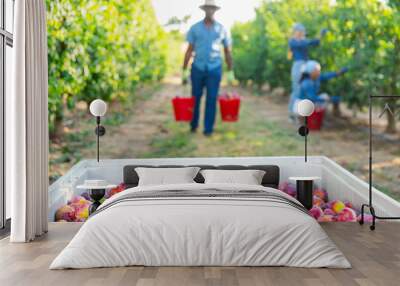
96 185
210 3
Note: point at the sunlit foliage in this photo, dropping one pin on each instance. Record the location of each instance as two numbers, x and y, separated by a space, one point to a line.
364 35
100 49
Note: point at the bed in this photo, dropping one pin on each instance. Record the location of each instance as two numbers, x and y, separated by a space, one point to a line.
198 224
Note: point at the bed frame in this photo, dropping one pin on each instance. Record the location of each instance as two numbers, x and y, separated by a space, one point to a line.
270 179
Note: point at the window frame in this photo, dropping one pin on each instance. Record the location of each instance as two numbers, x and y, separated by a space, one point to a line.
6 39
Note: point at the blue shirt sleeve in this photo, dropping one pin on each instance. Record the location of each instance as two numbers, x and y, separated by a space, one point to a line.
295 44
313 42
226 41
190 37
327 76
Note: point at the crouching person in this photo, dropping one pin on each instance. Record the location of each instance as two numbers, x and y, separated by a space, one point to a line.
310 82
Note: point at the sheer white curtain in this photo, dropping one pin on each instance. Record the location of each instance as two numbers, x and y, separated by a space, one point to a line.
27 124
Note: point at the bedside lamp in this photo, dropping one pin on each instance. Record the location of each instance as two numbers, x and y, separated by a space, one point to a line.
305 108
98 108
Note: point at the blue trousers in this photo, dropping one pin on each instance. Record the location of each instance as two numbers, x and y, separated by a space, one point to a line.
209 79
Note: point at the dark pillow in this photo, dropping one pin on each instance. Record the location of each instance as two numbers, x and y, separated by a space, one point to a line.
270 179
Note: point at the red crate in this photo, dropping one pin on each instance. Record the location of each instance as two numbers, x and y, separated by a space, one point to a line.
229 105
183 108
316 119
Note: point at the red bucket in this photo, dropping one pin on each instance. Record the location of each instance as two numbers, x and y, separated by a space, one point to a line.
229 105
183 108
316 119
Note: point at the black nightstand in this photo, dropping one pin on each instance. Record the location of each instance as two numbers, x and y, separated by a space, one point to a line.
97 190
304 186
96 195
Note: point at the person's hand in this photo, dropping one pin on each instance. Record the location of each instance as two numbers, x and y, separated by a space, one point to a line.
230 77
343 70
185 76
290 55
323 32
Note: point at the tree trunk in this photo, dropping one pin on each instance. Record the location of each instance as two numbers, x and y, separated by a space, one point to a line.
57 133
336 109
391 119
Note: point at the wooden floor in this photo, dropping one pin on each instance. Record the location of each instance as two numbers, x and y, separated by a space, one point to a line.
375 257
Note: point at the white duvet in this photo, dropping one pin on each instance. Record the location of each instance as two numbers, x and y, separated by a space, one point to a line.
200 231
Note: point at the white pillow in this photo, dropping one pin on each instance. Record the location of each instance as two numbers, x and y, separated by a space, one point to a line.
166 176
248 177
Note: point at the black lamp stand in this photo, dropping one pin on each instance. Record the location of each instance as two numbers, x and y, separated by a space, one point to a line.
370 205
100 131
303 131
96 195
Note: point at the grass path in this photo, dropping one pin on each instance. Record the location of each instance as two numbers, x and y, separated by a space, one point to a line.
152 132
263 130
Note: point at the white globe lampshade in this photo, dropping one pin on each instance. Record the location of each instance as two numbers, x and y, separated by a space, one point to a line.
98 107
305 107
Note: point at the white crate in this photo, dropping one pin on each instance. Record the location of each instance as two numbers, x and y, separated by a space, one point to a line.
339 182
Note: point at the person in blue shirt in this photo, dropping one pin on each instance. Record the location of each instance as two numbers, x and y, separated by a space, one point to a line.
205 39
298 51
310 82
